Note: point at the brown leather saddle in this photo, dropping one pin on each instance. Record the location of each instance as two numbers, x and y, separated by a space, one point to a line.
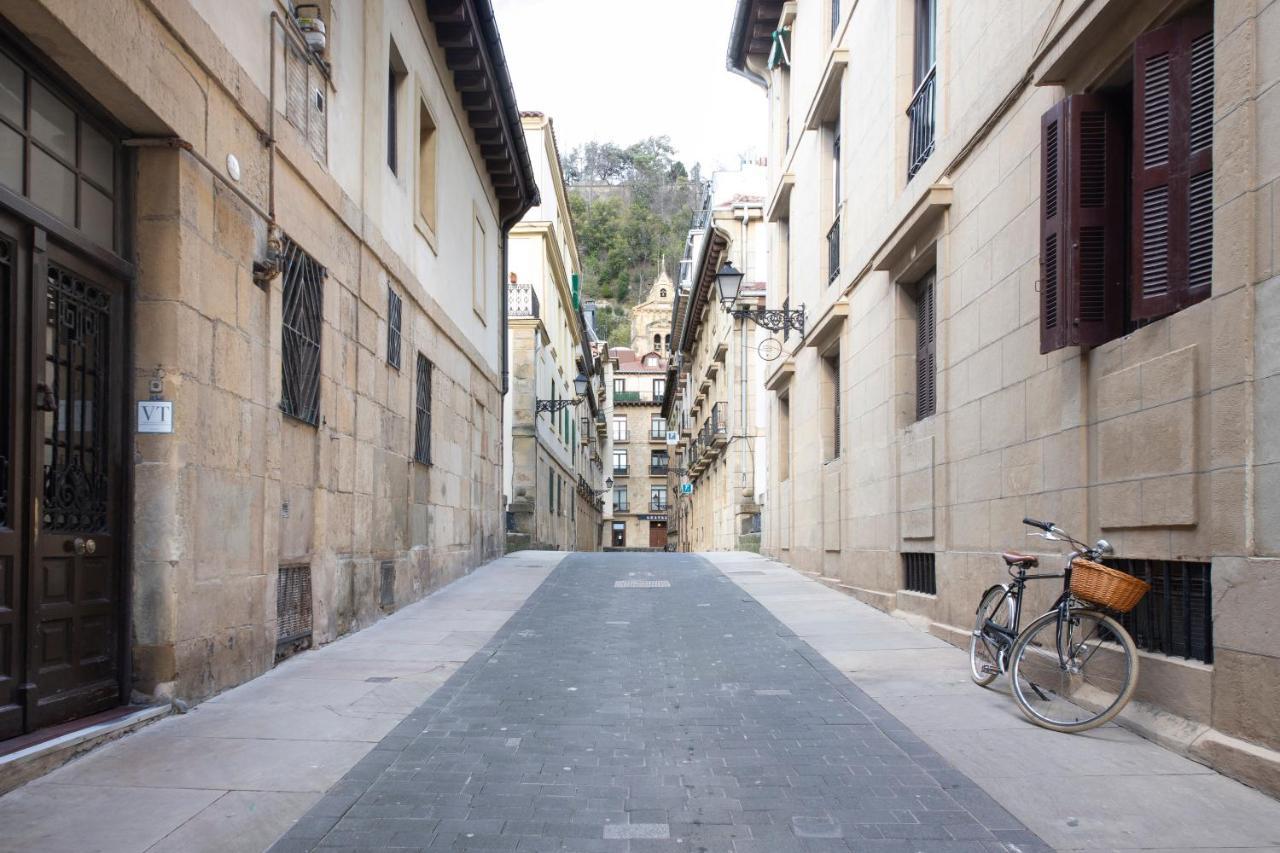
1014 559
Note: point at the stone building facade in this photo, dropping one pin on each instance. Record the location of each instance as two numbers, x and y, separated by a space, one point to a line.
715 396
640 499
294 259
1019 305
553 467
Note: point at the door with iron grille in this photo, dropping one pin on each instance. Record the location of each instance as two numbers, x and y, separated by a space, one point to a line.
62 392
74 638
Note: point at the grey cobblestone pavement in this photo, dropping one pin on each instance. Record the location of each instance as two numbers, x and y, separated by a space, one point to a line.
610 715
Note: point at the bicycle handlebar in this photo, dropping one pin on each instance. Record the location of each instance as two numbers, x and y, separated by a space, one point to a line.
1046 526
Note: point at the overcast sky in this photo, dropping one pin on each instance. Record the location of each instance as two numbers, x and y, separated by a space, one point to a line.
622 71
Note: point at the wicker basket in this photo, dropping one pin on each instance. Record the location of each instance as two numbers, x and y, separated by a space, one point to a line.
1106 587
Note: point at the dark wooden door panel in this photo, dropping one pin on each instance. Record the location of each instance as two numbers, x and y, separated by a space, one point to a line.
13 269
75 643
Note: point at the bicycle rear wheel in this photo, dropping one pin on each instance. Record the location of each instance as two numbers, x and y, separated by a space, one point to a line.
984 645
1074 675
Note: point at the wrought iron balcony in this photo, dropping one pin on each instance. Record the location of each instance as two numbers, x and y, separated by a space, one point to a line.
833 251
921 115
656 505
657 434
622 470
624 506
719 421
658 470
522 301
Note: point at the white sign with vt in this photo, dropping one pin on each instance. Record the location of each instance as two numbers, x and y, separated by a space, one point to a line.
673 437
155 416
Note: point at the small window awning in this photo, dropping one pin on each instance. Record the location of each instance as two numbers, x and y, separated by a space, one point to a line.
780 51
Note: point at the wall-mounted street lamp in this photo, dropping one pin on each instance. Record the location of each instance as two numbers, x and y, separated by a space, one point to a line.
608 487
784 319
580 385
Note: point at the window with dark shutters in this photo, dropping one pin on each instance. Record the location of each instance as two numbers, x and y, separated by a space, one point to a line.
1082 233
1172 233
926 347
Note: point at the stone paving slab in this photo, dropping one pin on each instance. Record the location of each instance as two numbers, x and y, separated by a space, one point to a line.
613 713
1108 789
237 771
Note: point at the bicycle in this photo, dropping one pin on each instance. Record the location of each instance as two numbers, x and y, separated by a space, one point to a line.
1057 681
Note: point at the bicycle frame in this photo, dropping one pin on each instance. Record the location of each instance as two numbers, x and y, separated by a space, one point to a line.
1013 600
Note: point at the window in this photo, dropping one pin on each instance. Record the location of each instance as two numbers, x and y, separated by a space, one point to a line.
619 530
784 437
427 171
1115 255
620 428
620 500
921 111
667 343
659 388
620 461
651 361
619 386
1175 617
303 281
396 72
833 233
835 17
918 574
658 462
657 426
657 342
926 347
422 406
395 310
479 267
831 404
551 490
658 498
662 294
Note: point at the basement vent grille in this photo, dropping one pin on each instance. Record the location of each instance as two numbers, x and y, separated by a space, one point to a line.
641 584
387 572
919 574
293 609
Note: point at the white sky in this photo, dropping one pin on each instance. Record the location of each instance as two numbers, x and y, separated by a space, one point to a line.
622 71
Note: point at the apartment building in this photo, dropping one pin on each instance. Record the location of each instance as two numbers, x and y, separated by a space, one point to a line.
715 398
640 503
1038 246
252 324
553 455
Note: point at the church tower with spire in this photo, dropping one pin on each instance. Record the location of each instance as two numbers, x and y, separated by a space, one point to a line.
651 318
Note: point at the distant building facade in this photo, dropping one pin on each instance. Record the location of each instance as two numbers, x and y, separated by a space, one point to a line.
553 465
1039 254
715 397
640 500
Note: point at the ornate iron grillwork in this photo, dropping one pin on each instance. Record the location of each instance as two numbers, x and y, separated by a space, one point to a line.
293 605
77 372
422 425
395 311
303 306
919 574
833 251
387 585
1175 617
6 400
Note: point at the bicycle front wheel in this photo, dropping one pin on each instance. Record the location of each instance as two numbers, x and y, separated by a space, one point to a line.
1073 674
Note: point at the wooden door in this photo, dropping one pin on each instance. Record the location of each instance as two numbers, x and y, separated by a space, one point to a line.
13 269
657 534
75 610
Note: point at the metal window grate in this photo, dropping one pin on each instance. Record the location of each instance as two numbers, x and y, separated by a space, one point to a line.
303 306
395 312
1175 618
387 584
422 425
921 115
919 574
293 604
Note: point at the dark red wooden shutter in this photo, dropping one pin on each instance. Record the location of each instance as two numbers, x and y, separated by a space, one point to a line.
1172 167
1082 223
1053 198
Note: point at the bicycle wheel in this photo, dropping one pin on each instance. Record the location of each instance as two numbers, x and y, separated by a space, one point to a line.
1074 676
984 647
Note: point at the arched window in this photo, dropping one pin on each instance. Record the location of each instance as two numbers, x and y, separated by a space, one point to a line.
668 341
662 294
657 341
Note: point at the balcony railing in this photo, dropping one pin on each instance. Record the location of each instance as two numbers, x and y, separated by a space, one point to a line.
718 420
622 470
522 301
624 506
658 470
656 505
921 115
624 435
628 397
833 251
657 434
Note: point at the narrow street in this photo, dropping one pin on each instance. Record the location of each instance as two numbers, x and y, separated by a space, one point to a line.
630 702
